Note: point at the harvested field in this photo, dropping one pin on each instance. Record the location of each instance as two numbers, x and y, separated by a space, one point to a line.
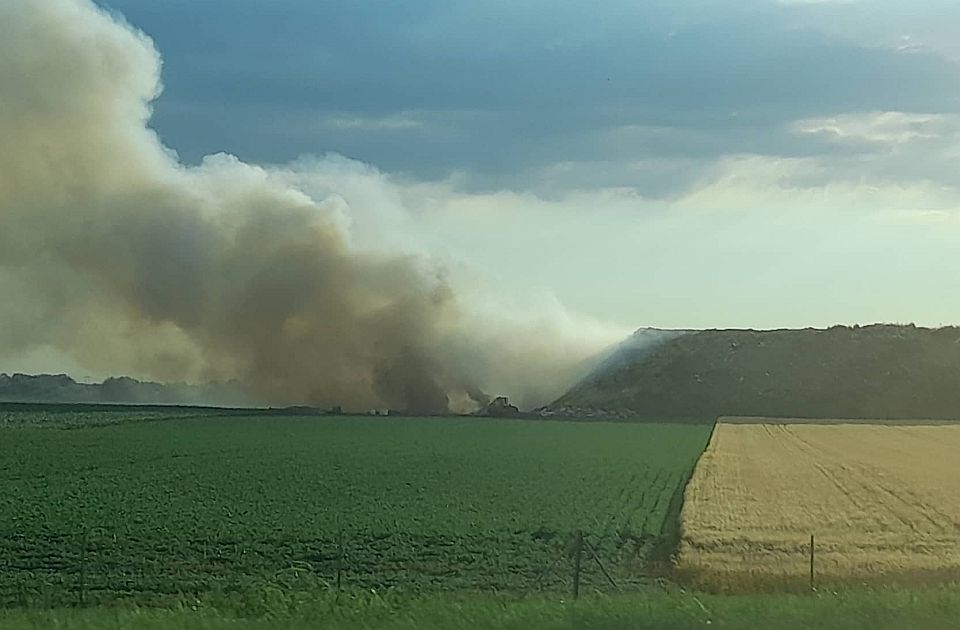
882 502
835 421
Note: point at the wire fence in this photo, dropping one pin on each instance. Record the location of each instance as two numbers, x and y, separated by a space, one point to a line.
97 566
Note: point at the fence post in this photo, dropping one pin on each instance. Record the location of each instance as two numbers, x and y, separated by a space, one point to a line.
577 559
339 560
812 584
83 566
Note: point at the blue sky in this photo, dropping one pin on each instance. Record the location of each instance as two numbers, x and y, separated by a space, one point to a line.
682 163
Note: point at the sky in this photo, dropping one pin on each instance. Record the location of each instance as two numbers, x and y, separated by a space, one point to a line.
682 163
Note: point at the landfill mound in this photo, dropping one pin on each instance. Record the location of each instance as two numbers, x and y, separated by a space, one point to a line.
878 371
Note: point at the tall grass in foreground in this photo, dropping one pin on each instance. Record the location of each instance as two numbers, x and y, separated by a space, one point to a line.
934 608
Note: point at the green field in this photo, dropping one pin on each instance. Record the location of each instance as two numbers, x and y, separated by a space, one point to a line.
152 511
29 415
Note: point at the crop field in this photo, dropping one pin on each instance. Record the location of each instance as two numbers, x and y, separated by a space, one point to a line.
880 500
14 415
149 510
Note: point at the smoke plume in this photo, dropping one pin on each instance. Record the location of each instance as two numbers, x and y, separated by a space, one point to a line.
122 259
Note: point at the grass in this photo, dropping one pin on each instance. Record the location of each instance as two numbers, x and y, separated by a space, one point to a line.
148 511
926 609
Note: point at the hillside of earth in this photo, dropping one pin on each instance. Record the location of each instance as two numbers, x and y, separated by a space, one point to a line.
878 371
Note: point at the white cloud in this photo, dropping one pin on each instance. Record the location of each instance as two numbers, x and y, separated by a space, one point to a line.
928 26
394 122
774 185
890 128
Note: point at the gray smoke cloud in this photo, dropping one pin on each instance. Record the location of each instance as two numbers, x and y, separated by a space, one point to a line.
122 259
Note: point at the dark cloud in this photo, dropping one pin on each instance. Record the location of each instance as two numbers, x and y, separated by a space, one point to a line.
501 91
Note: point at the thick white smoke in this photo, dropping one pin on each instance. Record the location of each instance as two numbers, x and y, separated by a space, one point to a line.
124 260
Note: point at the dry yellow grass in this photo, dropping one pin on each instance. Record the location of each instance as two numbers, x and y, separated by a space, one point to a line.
882 500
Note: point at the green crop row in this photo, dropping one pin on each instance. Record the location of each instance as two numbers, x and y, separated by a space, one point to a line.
149 510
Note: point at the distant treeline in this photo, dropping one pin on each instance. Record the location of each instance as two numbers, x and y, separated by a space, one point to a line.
60 388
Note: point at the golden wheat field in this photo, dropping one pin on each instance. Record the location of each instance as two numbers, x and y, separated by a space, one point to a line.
883 502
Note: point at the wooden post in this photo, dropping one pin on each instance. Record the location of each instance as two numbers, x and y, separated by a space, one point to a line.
339 560
83 566
577 559
812 583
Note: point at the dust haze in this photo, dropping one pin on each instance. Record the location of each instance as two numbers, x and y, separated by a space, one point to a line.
121 259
